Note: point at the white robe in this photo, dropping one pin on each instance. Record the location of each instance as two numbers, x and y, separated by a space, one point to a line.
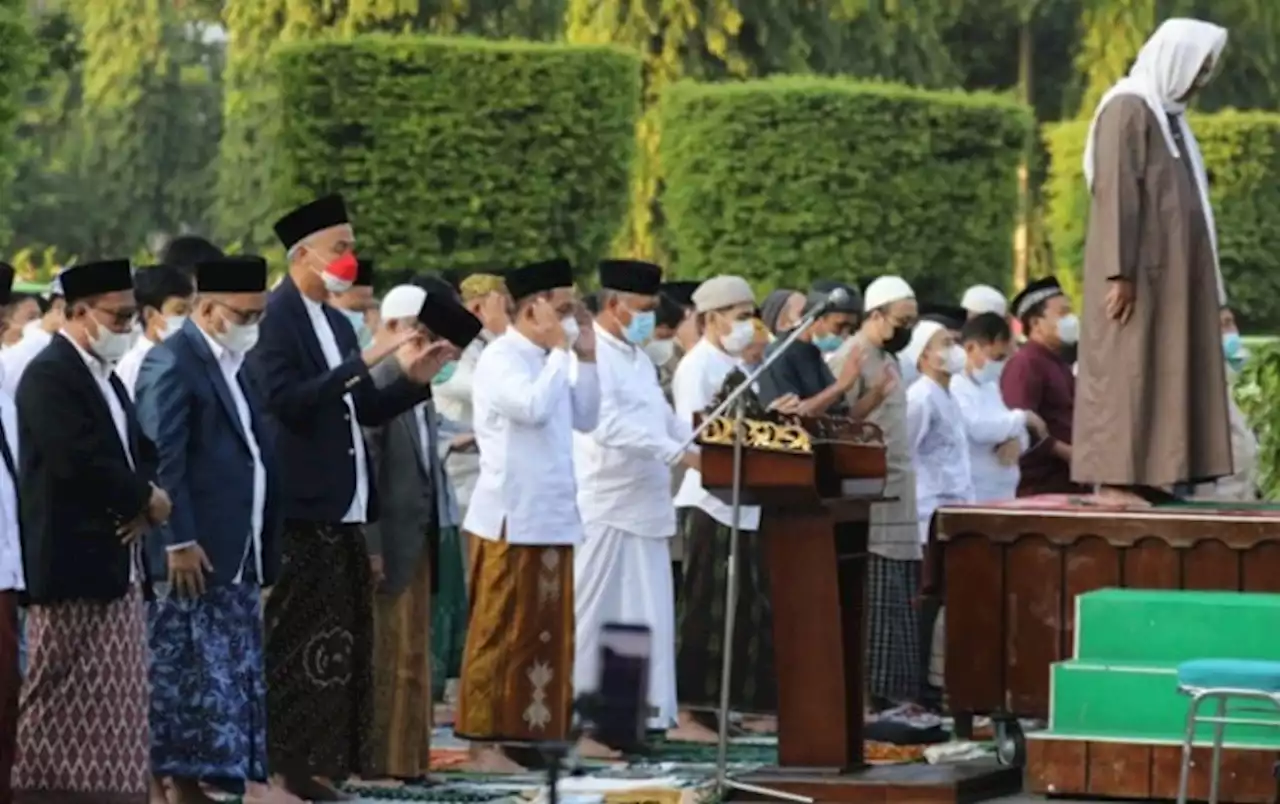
988 424
939 450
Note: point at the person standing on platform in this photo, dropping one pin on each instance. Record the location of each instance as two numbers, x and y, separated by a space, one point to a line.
417 505
87 497
164 295
893 542
517 671
318 392
1153 411
1038 378
14 360
726 306
622 569
210 563
997 436
11 575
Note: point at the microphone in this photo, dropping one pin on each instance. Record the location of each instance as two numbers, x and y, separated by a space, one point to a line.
836 298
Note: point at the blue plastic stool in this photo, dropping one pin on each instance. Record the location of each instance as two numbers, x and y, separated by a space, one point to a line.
1221 680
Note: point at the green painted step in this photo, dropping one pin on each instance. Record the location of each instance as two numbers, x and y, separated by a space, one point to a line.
1137 701
1166 626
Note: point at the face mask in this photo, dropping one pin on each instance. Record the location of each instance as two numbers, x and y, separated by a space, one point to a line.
660 352
363 335
571 331
32 326
172 323
340 275
953 360
110 346
989 373
239 338
1231 345
898 340
828 343
1069 329
445 372
739 338
641 327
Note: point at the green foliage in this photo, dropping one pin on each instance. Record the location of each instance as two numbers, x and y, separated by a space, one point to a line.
17 58
790 179
1242 156
1256 390
460 152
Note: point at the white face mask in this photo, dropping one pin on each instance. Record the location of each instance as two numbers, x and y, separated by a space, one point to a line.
1069 329
739 338
660 352
172 323
239 338
110 346
989 373
571 331
953 360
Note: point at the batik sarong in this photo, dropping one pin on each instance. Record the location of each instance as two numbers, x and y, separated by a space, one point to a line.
10 682
753 685
402 675
448 611
517 669
319 649
894 668
208 694
82 732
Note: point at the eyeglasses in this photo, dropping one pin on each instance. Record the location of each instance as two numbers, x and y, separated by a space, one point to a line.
243 316
119 317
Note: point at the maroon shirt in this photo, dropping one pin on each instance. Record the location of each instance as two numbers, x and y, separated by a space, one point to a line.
1037 379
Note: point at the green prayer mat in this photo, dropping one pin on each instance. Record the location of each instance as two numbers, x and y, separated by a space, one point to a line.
448 612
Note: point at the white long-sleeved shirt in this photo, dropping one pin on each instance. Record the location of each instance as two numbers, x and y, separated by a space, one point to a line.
624 465
11 573
525 411
988 423
131 364
14 360
939 450
697 380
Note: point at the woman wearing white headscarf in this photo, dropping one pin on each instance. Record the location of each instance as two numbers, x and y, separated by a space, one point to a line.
1151 397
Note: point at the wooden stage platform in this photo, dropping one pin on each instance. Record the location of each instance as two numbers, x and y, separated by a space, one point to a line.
961 783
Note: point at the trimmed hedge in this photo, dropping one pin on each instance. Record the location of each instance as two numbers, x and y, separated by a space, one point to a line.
794 178
1242 157
458 153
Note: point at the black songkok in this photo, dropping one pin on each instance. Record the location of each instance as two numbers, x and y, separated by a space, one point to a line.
96 278
364 273
1035 292
539 277
242 274
308 219
631 276
444 316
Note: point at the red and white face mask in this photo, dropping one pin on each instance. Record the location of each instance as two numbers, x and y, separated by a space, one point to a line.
340 274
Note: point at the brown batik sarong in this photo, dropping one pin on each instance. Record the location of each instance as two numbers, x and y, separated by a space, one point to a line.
517 668
401 735
319 635
10 682
83 733
753 687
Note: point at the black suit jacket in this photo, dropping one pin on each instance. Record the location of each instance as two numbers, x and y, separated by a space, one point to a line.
314 446
76 485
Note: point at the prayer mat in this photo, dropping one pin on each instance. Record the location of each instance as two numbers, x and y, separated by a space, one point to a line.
1083 505
517 669
700 621
894 668
82 732
402 670
319 651
208 694
448 612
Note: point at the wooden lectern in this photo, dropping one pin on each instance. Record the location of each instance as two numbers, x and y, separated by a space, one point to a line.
815 479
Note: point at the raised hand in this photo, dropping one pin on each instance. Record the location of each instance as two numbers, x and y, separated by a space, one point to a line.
548 332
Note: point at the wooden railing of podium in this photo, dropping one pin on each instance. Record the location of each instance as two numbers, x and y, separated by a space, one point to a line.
815 480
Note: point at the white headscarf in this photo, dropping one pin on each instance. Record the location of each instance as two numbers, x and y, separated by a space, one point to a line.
1165 70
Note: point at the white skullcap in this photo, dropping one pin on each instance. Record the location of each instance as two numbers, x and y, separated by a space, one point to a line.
886 290
402 301
720 292
920 337
984 299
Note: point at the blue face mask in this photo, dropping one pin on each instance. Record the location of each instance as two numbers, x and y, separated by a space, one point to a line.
445 372
363 335
1231 344
828 343
641 327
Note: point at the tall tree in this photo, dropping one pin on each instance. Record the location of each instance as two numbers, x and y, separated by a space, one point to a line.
17 63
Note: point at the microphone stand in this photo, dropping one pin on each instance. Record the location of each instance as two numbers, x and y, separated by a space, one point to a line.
735 399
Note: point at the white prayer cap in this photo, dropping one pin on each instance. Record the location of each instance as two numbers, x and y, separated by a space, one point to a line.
720 292
984 299
920 337
886 290
402 301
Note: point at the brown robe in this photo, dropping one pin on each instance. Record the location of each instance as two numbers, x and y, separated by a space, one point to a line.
1151 394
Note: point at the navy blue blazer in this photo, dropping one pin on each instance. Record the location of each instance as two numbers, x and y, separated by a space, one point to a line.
304 403
186 409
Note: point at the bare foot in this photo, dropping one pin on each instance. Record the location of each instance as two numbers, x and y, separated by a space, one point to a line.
1121 496
689 730
313 788
593 749
258 793
491 759
760 724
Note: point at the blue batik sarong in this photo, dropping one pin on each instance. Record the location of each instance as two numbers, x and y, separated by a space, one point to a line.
208 693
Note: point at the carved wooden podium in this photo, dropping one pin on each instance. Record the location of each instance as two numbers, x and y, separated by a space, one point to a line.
815 479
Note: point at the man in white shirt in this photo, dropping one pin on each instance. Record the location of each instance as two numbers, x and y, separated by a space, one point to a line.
204 416
164 294
35 336
622 570
726 306
517 668
11 583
